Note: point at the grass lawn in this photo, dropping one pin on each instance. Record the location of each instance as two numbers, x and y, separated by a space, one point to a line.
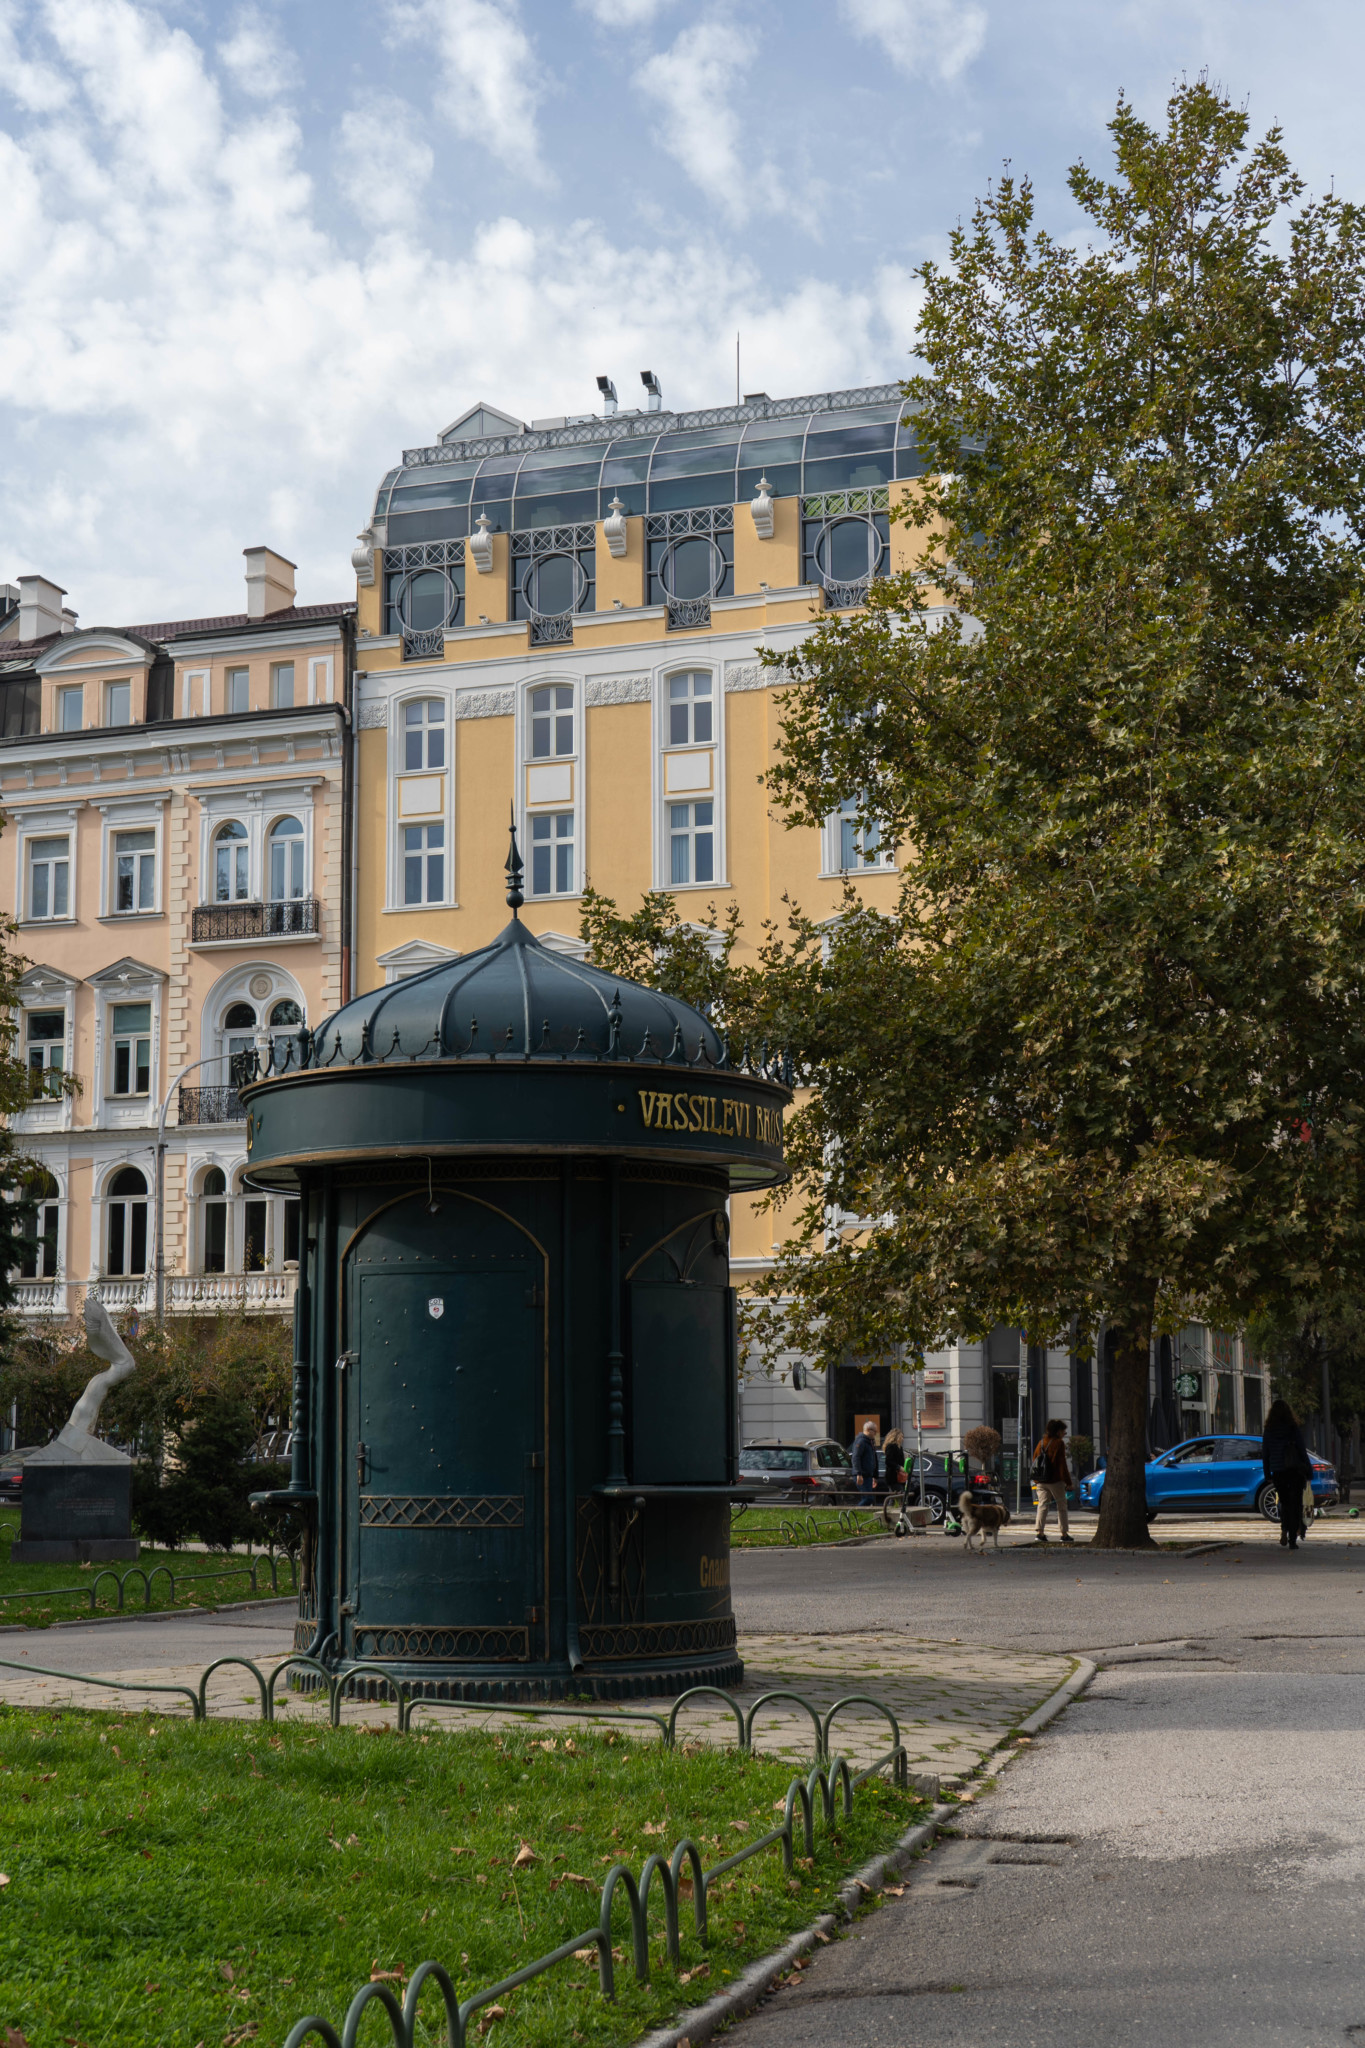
49 1598
178 1884
763 1528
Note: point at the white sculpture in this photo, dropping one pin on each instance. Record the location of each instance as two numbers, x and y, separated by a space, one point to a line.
77 1443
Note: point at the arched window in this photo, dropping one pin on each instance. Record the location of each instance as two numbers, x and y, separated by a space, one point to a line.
231 864
286 860
239 1041
127 1206
39 1259
286 1019
214 1194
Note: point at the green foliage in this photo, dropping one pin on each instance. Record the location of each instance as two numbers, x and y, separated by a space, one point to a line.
171 1883
1081 1453
1105 1058
239 1357
1307 1335
202 1491
660 949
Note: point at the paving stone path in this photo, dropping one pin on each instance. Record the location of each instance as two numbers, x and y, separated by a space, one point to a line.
953 1702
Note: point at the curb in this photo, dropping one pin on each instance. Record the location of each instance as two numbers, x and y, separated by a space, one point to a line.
20 1628
1203 1549
758 1979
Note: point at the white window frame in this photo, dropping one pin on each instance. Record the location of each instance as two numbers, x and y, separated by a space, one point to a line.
51 862
65 691
195 682
555 841
107 688
45 822
231 669
690 803
832 853
294 700
200 1198
420 687
575 763
59 1203
319 679
133 1040
100 1219
125 982
663 750
136 814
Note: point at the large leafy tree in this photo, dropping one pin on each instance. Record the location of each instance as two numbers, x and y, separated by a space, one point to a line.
1105 1060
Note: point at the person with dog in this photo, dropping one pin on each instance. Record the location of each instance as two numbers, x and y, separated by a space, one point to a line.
865 1459
1285 1461
1051 1477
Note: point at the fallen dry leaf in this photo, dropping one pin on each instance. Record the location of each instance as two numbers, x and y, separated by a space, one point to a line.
822 1938
572 1877
573 1827
702 1970
524 1857
489 2015
480 1879
352 1841
13 2038
585 1955
741 1827
378 1976
894 1891
225 1970
3 1879
653 1828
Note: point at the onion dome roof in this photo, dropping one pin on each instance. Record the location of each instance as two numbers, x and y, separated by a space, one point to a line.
515 999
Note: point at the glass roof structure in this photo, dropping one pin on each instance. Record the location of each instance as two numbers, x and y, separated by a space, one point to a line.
652 462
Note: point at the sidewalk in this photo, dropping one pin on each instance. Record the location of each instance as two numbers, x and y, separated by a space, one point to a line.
953 1702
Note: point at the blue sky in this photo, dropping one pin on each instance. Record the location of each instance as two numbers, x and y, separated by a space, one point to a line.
249 252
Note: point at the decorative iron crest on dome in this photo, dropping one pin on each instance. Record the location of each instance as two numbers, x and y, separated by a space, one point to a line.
556 1009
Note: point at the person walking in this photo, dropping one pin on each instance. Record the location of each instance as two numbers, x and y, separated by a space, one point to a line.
1049 1460
1285 1461
894 1446
865 1460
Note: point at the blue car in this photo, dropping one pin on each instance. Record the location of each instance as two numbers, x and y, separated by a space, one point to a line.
1214 1472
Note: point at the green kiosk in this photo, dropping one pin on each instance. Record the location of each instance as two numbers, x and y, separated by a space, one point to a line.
515 1378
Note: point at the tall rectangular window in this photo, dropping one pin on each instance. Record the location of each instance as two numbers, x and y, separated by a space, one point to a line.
39 1259
239 689
282 685
45 1038
132 1037
253 1236
49 877
134 871
860 846
424 734
118 703
424 864
689 710
551 722
692 842
71 709
552 862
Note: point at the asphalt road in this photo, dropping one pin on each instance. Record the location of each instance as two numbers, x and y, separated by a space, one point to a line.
1177 1859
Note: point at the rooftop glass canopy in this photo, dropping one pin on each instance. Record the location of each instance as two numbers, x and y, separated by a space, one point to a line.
652 462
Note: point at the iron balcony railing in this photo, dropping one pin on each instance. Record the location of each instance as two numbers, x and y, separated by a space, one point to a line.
843 597
688 611
551 629
296 917
211 1106
422 645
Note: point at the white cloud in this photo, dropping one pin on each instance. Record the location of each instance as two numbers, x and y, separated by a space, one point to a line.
34 85
694 83
937 37
256 57
190 361
383 165
624 13
491 78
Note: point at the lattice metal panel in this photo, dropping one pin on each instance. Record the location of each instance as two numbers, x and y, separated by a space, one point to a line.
442 1511
673 525
552 540
552 631
656 1639
842 597
498 1645
842 504
430 554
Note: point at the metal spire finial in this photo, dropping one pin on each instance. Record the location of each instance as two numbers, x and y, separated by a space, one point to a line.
514 868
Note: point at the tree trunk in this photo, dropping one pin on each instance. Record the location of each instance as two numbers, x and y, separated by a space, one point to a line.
1123 1503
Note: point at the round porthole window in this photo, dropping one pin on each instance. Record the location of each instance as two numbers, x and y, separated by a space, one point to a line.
427 601
693 567
553 585
848 550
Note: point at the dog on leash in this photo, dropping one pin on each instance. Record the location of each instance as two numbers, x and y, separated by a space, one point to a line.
984 1518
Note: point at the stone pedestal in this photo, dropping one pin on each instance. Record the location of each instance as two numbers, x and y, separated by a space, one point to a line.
75 1510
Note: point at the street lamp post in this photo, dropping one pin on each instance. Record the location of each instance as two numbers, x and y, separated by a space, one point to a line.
208 1060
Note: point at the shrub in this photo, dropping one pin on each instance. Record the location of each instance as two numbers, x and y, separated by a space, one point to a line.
983 1444
203 1490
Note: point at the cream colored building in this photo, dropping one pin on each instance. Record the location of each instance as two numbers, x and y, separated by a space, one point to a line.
566 618
175 854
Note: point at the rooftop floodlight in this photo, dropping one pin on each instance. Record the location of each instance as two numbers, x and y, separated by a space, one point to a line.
652 386
608 391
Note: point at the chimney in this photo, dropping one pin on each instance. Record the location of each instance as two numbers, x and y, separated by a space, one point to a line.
40 607
269 583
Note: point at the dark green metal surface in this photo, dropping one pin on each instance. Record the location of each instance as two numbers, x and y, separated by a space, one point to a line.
517 1384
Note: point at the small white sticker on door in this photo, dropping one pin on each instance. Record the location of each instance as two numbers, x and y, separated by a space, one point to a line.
436 1308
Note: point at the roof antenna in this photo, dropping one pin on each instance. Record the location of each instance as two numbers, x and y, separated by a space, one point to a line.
514 867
